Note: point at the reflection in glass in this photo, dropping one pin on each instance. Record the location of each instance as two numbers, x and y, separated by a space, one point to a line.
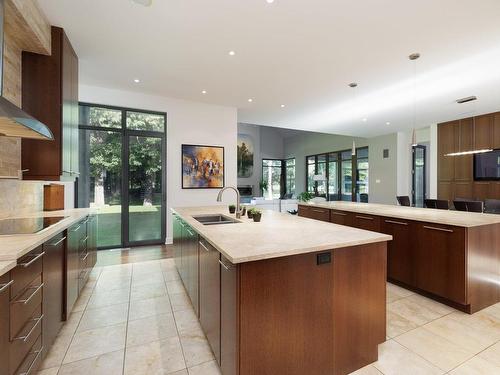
99 116
290 177
145 121
271 173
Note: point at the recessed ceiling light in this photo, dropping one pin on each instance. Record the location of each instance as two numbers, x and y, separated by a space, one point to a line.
388 123
137 80
250 100
204 92
364 119
270 1
282 106
232 53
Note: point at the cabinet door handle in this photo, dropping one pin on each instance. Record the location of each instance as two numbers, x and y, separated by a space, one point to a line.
76 229
190 233
364 217
85 239
38 354
5 286
438 229
226 267
27 336
338 213
316 210
395 222
25 301
85 257
58 242
203 246
27 264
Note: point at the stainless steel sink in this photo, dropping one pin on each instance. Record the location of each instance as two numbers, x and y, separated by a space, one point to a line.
215 219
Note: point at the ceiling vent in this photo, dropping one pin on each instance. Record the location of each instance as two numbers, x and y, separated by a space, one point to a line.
467 99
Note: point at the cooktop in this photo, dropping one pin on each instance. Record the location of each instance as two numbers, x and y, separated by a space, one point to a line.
27 225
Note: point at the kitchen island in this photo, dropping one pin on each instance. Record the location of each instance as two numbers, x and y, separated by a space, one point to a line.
287 295
451 256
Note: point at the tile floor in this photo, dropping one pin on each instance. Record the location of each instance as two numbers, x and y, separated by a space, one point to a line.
136 319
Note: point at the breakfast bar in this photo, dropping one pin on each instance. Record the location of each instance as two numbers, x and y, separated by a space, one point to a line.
286 295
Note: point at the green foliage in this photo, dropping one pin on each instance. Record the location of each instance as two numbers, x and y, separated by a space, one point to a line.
263 185
232 206
305 196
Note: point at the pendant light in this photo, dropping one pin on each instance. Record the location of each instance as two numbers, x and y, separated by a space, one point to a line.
414 57
353 85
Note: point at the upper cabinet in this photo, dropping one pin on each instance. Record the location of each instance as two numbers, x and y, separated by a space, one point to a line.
483 132
465 135
447 143
50 94
496 130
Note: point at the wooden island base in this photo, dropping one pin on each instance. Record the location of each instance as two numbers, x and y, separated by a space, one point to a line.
297 317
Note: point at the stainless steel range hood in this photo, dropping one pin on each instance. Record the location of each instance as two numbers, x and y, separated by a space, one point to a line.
14 122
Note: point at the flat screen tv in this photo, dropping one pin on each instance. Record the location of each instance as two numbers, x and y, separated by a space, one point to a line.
487 166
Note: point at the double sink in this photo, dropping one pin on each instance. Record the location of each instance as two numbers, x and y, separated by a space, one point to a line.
215 219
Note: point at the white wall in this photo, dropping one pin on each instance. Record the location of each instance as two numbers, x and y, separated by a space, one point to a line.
383 177
187 123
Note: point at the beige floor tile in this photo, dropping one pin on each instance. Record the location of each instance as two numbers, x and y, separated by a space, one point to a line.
104 285
394 359
397 325
149 307
145 268
57 352
430 304
415 310
70 326
81 303
168 265
476 366
440 352
158 357
180 301
196 348
187 320
105 364
473 340
146 279
482 319
175 286
149 329
103 317
108 298
95 342
367 370
148 291
492 354
207 368
171 275
49 371
395 293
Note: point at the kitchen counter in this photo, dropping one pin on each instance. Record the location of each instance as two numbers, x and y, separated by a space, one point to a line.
13 247
277 235
6 266
447 217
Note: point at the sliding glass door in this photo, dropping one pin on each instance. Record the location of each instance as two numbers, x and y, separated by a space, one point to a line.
122 174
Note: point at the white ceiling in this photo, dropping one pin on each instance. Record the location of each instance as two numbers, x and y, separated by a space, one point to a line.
302 53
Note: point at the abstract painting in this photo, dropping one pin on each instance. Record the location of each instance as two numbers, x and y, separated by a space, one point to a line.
245 156
202 167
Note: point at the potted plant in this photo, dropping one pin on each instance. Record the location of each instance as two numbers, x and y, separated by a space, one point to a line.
232 208
256 215
250 212
243 210
305 196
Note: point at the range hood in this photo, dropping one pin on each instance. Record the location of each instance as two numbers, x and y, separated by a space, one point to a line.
14 122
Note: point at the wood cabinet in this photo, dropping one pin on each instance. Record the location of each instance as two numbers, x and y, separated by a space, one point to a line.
341 217
229 297
483 132
53 296
210 314
440 259
496 131
72 266
177 241
316 213
50 94
400 251
4 323
447 136
465 135
187 254
366 222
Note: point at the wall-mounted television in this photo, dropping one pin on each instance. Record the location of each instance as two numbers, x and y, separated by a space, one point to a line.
487 166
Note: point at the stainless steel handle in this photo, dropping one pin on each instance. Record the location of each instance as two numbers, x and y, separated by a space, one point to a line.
395 222
202 245
85 239
338 213
5 286
27 336
364 217
76 229
25 301
85 257
86 220
439 229
38 353
226 267
316 210
27 264
190 233
58 242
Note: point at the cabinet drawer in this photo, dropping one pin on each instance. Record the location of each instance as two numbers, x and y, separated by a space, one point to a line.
22 345
322 214
32 360
304 211
23 306
28 268
341 217
367 222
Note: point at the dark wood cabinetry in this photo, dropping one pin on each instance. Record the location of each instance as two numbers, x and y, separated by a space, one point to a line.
366 222
447 144
341 217
441 261
314 213
74 235
210 314
50 94
483 132
4 323
53 296
229 309
496 131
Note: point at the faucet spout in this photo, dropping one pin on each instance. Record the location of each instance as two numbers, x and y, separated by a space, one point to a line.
219 199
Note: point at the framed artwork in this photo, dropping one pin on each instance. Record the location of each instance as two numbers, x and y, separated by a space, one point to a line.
202 167
245 156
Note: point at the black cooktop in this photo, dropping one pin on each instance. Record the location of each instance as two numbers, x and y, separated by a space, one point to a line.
27 225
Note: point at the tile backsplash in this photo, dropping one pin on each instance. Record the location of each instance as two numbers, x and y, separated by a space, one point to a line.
10 156
18 197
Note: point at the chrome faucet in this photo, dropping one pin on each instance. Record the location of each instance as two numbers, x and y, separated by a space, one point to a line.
219 199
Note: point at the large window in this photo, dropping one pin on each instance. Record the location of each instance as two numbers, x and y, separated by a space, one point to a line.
272 174
330 175
290 177
122 158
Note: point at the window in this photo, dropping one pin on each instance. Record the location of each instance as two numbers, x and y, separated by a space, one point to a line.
333 177
311 171
272 171
346 175
362 175
290 177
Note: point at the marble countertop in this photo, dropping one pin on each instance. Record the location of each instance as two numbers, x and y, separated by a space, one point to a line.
447 217
277 235
6 266
13 247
